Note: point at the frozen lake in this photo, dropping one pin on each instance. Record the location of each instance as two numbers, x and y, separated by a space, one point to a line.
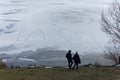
28 25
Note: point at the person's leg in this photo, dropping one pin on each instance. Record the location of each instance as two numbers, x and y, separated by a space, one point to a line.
74 66
68 64
71 63
77 66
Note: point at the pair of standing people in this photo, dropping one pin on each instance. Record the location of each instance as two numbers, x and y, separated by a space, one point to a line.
70 60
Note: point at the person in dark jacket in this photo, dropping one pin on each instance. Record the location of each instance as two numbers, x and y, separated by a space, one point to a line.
76 60
69 59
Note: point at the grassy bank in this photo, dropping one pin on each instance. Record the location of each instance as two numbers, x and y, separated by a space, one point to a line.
59 73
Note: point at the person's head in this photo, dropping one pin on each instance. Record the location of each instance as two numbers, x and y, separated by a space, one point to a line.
69 51
76 52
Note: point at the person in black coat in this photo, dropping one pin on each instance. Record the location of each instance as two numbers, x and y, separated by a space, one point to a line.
76 60
69 59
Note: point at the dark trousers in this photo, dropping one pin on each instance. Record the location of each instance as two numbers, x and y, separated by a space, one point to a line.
70 63
75 66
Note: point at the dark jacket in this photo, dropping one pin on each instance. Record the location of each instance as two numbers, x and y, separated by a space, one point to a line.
69 57
76 59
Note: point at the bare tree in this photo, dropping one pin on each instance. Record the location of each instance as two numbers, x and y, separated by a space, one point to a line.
112 53
110 21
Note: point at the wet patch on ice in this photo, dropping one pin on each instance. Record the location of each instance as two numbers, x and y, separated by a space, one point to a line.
73 16
17 1
9 28
2 4
49 58
13 11
8 48
57 3
11 20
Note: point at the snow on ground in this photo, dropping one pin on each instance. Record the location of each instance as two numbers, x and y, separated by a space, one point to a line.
61 24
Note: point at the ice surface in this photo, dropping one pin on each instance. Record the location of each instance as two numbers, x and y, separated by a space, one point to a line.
61 24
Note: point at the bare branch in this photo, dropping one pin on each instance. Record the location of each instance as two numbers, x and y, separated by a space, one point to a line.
110 21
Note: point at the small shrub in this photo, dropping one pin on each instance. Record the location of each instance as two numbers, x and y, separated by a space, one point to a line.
12 67
88 65
3 65
96 64
17 67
